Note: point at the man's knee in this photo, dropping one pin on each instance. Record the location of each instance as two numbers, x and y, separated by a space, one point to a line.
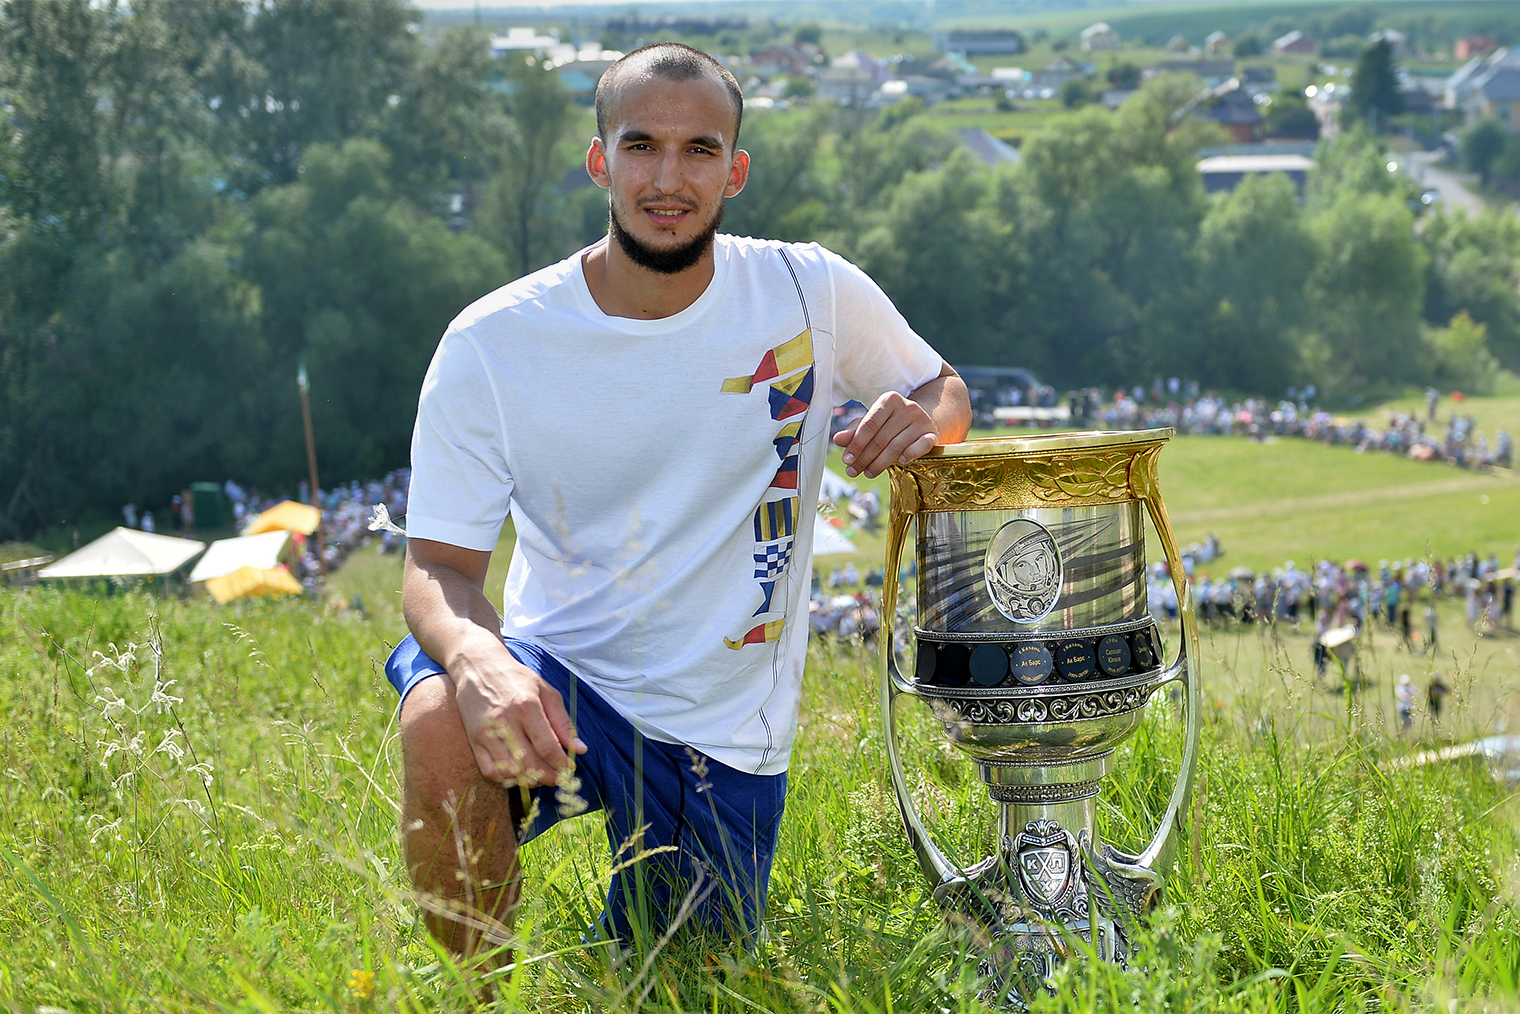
438 762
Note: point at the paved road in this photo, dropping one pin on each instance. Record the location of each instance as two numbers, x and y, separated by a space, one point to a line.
1454 194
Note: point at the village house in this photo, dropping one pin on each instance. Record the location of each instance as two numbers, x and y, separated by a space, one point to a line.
1473 45
1460 85
1496 94
851 79
1236 111
1098 37
1294 42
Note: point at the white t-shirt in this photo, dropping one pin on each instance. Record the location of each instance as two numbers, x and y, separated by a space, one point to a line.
663 476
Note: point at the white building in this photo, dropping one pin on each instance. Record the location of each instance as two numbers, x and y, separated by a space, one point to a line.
1100 36
519 40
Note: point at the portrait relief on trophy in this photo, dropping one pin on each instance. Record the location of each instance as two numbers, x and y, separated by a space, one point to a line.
1023 571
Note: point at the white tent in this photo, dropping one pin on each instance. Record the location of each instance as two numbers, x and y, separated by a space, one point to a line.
227 555
125 552
835 485
828 539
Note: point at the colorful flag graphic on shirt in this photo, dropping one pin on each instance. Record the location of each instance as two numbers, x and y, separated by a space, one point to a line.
792 396
786 475
775 519
787 438
763 634
789 367
781 360
771 560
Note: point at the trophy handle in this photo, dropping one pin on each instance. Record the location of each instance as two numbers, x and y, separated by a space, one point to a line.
1162 849
938 869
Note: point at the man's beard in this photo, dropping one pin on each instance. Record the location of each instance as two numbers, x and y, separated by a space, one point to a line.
666 262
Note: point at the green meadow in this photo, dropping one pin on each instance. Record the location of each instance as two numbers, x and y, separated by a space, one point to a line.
201 804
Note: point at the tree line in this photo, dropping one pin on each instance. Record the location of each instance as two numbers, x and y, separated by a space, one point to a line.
197 198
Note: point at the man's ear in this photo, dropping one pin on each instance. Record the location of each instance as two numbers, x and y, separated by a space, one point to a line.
596 164
738 174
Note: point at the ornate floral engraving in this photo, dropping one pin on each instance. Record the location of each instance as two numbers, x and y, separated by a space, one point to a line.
1142 474
1063 708
1104 475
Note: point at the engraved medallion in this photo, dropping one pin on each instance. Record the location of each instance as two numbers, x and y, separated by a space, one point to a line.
1030 663
1075 660
1113 655
1023 571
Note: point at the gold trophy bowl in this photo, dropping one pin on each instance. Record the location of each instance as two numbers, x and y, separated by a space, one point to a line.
1036 651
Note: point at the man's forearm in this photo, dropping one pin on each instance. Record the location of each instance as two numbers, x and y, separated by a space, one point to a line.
448 613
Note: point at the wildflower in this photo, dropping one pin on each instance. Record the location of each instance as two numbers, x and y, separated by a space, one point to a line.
361 984
203 769
112 747
162 700
110 704
168 746
120 662
380 520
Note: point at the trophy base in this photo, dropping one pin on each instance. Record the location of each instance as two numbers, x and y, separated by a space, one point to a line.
1051 885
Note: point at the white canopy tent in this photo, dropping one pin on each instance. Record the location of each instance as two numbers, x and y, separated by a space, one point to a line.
835 485
827 539
227 555
125 552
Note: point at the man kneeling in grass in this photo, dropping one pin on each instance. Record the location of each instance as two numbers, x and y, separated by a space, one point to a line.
653 411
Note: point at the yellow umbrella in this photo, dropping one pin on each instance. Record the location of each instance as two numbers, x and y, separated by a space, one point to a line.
287 515
249 580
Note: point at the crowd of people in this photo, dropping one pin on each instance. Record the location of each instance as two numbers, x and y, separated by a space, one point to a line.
345 515
1180 405
1351 593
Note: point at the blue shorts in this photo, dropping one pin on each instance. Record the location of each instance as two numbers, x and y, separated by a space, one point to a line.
716 826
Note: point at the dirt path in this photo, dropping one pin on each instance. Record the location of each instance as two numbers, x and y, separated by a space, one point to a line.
1350 498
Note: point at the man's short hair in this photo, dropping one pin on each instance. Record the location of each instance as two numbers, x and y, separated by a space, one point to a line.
672 61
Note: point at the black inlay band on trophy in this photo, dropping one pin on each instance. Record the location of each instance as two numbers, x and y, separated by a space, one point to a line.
1035 651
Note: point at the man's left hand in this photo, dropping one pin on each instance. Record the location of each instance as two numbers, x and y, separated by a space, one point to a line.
898 429
894 431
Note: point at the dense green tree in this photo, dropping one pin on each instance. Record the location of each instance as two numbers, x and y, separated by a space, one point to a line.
1482 144
316 70
1375 86
1105 209
1255 255
1247 46
1365 295
519 210
1350 163
1474 268
449 129
360 285
933 248
784 199
1289 115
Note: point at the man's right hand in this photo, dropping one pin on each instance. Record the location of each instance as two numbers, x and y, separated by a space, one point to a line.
516 723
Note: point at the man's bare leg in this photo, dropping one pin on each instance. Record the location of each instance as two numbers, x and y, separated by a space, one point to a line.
456 827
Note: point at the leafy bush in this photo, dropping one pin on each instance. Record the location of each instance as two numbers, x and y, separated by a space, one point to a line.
1459 356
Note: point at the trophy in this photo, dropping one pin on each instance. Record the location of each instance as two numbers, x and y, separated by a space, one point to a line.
1036 652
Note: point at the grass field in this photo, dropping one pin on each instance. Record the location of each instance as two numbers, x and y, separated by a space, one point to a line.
202 817
200 806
